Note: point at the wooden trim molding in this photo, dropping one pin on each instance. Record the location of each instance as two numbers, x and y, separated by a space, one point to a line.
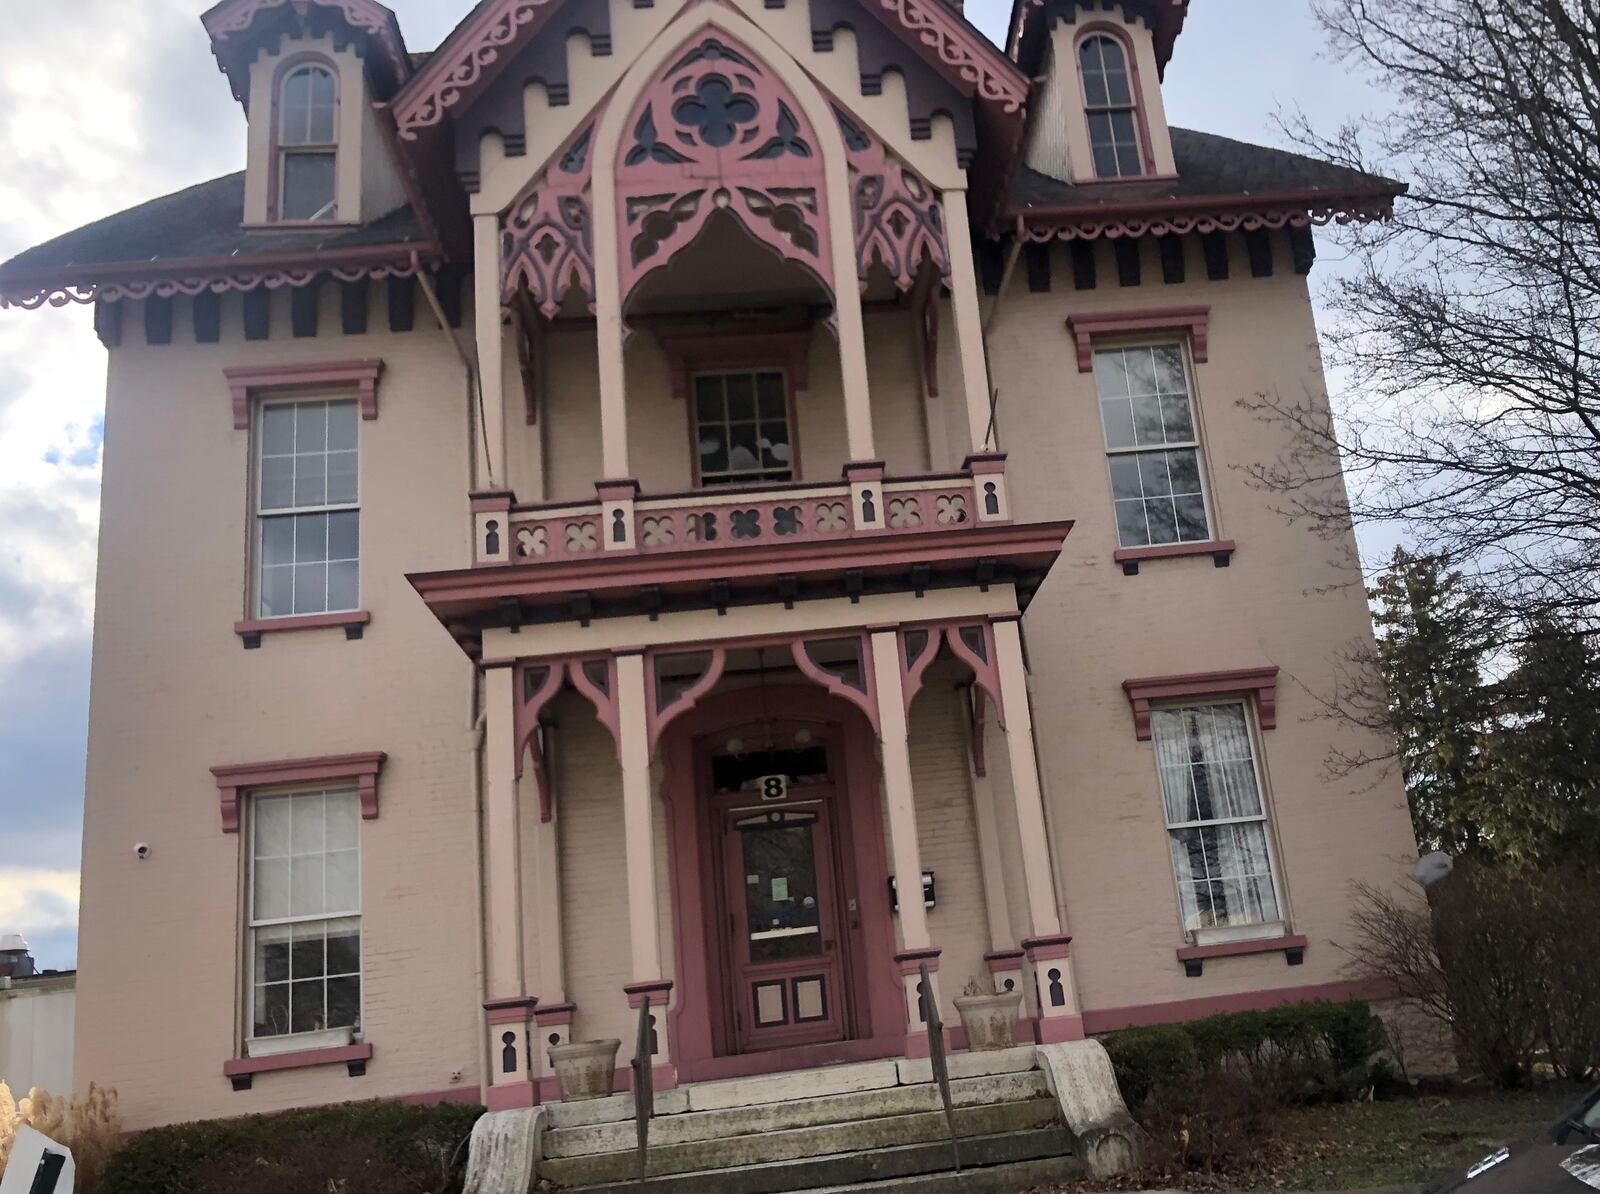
687 355
1196 321
246 382
1261 681
1220 550
236 779
1291 945
352 622
240 1070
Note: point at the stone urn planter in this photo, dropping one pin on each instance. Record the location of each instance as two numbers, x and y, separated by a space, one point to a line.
990 1020
586 1070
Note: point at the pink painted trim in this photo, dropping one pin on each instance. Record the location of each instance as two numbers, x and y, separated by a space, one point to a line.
242 778
527 720
864 470
509 1011
913 670
985 672
1047 949
982 463
687 355
1196 321
910 962
866 701
1235 949
355 617
658 991
1262 681
304 1059
1052 1030
509 1096
1169 551
547 1015
604 702
659 719
248 381
1147 149
492 501
1218 213
1004 959
1179 1010
621 490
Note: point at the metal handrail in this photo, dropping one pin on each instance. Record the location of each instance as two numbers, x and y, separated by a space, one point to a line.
644 1100
936 1058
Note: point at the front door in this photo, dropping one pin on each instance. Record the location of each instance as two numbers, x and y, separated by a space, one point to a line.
788 985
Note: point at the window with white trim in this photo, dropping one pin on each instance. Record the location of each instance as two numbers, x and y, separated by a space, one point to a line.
1216 818
1110 107
308 508
1152 445
308 144
305 912
742 428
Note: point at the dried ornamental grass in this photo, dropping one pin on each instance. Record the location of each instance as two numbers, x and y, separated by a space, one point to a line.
87 1124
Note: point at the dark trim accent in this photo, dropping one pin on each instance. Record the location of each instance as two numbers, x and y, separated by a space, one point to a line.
303 310
1193 968
1215 247
1083 271
1173 265
1037 258
450 281
1126 249
157 320
1302 249
257 314
108 323
402 304
1220 550
1258 245
354 301
991 255
207 316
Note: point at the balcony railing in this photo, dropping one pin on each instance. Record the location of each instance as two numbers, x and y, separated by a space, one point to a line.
620 520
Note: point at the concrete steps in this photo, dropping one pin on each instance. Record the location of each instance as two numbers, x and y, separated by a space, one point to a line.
993 1164
743 1153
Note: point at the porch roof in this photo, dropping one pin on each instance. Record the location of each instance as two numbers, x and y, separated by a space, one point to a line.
470 600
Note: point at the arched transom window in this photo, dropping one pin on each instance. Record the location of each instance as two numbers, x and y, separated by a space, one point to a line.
308 144
1110 106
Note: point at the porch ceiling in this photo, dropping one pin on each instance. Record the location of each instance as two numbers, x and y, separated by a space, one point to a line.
469 601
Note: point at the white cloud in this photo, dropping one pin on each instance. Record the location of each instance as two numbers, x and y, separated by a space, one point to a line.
35 902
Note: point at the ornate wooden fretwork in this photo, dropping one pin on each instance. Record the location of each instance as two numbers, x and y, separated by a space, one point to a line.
219 280
461 66
898 218
547 237
1048 226
717 130
952 42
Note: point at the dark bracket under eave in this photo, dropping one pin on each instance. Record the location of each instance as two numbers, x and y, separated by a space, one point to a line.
1195 967
1221 559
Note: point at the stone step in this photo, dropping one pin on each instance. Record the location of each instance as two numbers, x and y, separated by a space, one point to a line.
928 1161
797 1084
1007 1178
772 1117
743 1152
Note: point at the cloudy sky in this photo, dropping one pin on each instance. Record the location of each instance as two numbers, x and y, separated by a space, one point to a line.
104 104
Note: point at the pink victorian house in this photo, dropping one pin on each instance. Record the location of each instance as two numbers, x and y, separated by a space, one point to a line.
660 481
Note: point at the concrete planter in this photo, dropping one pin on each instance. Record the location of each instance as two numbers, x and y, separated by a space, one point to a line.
990 1020
586 1070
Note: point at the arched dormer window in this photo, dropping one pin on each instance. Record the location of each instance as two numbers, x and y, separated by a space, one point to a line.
1110 106
308 144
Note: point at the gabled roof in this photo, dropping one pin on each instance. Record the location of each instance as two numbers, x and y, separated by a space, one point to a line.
1221 184
482 44
192 240
237 27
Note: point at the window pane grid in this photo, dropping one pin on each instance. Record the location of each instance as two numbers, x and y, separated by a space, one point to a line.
1152 445
1109 106
305 909
742 427
308 538
1216 821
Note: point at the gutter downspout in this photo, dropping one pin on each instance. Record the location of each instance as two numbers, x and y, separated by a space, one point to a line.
991 439
475 413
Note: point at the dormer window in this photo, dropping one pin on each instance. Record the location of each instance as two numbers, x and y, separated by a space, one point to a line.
308 144
1110 106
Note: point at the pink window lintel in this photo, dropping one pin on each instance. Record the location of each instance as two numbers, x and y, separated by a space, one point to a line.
250 381
1261 681
236 779
1196 321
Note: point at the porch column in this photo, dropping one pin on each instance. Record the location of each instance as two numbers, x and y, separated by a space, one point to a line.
1004 958
486 282
508 1010
968 319
1047 949
553 1014
904 849
633 747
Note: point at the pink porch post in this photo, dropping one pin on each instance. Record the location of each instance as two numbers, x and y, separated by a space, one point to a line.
1046 949
508 1011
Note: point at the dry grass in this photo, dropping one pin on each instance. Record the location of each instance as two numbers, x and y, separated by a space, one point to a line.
87 1124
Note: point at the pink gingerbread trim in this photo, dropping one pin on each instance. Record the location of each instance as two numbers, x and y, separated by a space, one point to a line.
238 779
866 701
659 718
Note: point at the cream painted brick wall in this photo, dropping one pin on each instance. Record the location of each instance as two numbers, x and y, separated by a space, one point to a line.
174 693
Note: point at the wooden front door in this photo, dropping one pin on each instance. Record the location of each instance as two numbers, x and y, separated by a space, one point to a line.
782 895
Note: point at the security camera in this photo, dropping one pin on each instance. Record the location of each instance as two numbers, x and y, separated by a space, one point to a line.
142 851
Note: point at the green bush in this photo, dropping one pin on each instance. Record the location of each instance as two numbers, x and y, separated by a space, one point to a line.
1147 1058
356 1147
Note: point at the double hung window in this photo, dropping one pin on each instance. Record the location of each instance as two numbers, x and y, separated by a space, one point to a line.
305 912
308 144
308 508
1110 107
1152 444
1216 818
742 431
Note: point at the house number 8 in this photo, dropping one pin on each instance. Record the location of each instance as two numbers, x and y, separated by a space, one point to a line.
773 787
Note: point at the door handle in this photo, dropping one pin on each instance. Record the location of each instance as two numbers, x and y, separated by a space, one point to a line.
827 947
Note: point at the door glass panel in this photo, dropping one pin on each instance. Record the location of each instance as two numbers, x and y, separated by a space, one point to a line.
780 886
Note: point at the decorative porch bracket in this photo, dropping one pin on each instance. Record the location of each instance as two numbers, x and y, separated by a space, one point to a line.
970 642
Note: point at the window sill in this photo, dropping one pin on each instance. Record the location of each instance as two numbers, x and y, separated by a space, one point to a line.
1291 945
1220 550
353 622
241 1070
